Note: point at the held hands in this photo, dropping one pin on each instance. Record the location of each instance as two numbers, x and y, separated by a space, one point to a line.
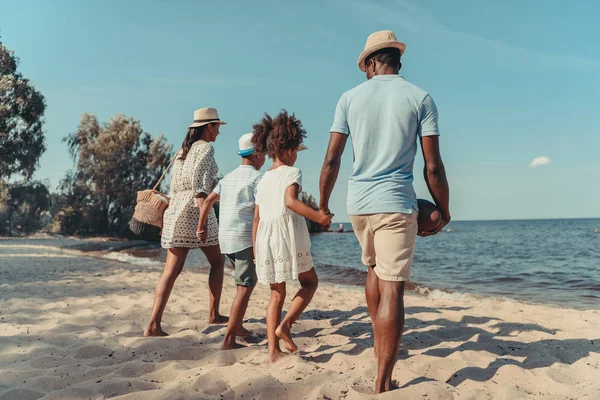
201 232
325 219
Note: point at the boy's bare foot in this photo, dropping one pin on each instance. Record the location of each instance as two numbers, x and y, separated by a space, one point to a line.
154 331
218 319
275 356
230 345
283 333
243 332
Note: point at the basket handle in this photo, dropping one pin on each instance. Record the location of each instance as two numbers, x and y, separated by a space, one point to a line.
166 170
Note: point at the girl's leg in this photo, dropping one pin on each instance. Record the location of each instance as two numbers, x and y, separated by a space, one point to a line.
173 266
273 319
309 282
215 282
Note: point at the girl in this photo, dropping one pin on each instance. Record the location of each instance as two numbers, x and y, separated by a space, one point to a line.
280 234
193 177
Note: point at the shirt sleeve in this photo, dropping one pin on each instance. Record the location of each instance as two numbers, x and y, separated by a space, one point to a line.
219 187
340 120
205 170
294 177
428 118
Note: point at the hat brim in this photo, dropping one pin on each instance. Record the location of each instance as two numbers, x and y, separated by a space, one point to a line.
302 147
363 56
198 124
245 153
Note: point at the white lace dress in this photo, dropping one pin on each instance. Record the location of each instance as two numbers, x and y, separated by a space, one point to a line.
282 245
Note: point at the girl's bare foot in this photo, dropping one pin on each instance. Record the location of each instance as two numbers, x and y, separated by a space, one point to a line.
153 330
243 332
275 356
283 333
229 344
218 319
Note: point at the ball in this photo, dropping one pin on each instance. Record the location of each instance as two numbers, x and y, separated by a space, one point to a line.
429 216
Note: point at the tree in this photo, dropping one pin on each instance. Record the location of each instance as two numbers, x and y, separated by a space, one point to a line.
25 203
310 201
113 162
21 118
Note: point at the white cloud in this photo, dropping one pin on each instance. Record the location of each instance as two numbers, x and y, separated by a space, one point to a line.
540 162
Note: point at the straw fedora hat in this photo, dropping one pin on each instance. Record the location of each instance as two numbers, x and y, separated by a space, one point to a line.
206 116
377 41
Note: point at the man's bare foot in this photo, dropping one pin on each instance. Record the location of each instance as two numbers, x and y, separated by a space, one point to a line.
275 356
151 331
230 345
283 333
218 319
243 332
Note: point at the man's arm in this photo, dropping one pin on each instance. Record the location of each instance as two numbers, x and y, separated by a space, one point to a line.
331 168
435 177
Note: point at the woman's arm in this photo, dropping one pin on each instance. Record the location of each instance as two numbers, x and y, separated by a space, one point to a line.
292 202
205 205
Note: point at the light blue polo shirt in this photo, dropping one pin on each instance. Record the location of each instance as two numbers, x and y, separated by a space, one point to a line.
384 117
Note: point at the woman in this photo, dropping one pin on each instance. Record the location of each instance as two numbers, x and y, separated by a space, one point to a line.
193 177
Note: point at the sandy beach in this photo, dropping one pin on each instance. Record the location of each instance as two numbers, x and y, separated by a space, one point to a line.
71 324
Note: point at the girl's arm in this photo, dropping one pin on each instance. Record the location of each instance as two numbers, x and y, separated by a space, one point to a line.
205 205
255 228
292 202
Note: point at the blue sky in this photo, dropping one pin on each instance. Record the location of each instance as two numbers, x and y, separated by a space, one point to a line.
513 81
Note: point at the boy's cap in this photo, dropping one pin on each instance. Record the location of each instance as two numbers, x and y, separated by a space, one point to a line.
246 146
302 147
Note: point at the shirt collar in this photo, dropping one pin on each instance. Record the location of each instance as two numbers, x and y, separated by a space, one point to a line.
387 77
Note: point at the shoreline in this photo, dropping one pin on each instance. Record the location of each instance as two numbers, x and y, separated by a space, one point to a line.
123 250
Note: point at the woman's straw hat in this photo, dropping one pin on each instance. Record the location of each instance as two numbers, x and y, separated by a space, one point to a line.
206 116
377 41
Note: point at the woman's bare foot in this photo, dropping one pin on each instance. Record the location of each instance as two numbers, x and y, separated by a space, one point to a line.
153 330
229 344
243 332
283 333
218 319
275 356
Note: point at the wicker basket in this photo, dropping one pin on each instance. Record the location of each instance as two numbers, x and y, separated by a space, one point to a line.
147 221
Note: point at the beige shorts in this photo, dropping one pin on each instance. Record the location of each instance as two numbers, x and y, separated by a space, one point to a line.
387 242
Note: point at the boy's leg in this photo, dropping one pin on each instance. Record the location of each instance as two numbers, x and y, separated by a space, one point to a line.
309 282
245 279
173 266
273 319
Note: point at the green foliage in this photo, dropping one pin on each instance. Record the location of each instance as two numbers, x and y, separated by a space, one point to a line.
21 118
310 201
112 163
23 206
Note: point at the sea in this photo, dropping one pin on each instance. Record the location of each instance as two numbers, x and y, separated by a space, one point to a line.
553 262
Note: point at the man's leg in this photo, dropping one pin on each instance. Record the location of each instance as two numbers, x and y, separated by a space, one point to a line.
373 297
389 325
395 236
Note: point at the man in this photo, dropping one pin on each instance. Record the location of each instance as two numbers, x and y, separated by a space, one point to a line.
385 116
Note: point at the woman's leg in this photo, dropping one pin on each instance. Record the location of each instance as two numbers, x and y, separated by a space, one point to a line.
173 266
309 282
273 318
215 282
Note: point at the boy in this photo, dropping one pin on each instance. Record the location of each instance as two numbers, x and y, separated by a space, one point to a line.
235 192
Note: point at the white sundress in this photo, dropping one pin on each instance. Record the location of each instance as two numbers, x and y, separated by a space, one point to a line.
282 245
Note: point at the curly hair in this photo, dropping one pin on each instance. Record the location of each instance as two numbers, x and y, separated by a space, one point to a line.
274 135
